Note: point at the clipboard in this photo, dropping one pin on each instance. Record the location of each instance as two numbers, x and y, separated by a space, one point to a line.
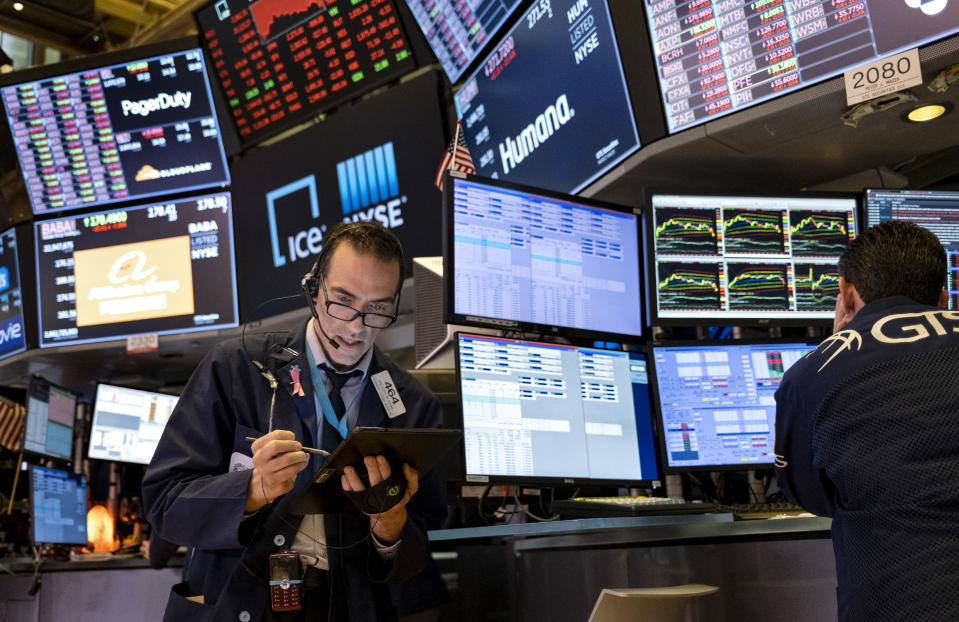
421 448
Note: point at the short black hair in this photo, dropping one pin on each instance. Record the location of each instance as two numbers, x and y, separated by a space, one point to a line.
896 258
367 237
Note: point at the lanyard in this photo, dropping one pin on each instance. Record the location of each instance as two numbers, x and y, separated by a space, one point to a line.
323 400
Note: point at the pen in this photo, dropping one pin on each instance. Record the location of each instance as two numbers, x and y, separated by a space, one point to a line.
308 450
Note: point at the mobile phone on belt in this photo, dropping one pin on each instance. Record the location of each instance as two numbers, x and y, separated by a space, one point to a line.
286 583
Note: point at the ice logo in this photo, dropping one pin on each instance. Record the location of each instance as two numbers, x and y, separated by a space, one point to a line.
929 7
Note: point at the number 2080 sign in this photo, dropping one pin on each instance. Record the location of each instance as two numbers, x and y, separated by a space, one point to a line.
884 76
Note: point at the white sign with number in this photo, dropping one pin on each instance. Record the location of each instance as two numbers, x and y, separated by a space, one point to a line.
884 76
143 343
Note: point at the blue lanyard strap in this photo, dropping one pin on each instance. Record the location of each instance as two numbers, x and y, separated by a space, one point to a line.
323 400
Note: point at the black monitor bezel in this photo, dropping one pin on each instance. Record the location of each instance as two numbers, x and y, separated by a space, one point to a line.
33 519
93 414
649 260
659 426
116 57
26 416
449 285
542 481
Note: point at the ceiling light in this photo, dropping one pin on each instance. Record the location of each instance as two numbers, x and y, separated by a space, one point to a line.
926 113
17 6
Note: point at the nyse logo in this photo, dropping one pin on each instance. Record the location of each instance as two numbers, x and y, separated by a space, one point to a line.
369 189
929 7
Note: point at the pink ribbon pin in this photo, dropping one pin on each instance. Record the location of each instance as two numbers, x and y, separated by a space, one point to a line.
295 377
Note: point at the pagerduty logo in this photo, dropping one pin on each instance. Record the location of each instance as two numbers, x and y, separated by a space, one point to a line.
929 7
369 188
162 101
512 152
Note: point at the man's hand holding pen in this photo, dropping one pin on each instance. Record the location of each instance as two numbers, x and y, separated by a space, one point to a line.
277 458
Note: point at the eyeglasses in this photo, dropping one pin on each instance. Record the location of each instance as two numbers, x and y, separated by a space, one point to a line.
347 313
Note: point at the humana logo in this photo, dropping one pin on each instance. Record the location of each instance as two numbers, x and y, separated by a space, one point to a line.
929 7
512 152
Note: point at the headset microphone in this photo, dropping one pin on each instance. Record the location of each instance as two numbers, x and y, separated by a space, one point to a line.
316 317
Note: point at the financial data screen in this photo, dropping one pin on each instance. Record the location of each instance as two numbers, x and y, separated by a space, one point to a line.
156 268
280 61
716 403
457 31
549 106
12 337
747 259
58 503
535 410
714 57
127 423
50 414
114 133
936 210
523 258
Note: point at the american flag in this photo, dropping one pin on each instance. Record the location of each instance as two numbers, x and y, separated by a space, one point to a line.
11 424
455 158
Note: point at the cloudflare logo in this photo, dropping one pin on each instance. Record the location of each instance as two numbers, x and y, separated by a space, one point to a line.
929 7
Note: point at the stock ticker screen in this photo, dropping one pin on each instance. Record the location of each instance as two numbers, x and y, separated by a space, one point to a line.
716 402
717 56
549 106
747 259
156 268
116 132
279 61
458 31
936 210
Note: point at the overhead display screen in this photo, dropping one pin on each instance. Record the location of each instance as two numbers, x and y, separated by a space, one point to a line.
549 107
280 61
457 31
717 56
741 259
156 268
116 132
12 338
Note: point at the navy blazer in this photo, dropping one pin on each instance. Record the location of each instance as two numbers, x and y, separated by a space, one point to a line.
195 488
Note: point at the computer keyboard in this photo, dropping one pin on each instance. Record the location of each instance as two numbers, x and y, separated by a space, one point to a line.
602 507
778 509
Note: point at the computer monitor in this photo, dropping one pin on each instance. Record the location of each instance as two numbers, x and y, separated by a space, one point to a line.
164 267
13 338
115 127
50 416
58 504
739 259
547 414
549 106
517 257
458 32
127 423
281 62
713 59
714 401
936 210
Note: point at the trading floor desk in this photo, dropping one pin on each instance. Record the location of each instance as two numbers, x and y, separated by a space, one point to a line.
765 569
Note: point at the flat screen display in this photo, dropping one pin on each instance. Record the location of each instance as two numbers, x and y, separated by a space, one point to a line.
115 131
714 57
50 415
936 210
281 61
715 402
517 257
58 504
127 423
541 412
458 31
154 268
549 106
12 337
746 260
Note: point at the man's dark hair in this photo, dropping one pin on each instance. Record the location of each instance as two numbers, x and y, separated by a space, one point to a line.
367 237
895 258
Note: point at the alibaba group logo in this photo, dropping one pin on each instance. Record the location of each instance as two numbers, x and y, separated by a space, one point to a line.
129 266
845 340
929 7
